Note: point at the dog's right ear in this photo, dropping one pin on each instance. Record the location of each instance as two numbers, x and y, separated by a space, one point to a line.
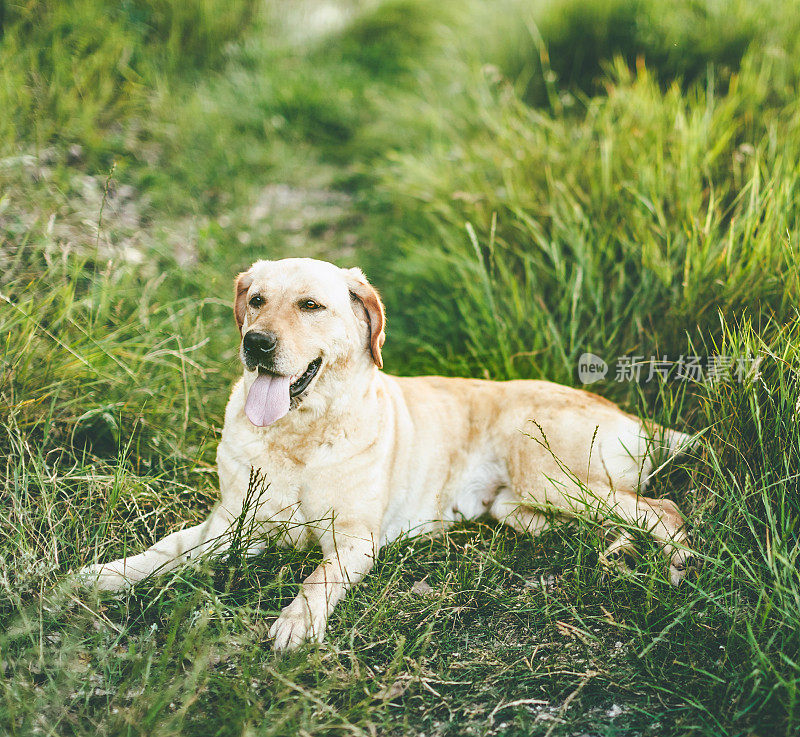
241 285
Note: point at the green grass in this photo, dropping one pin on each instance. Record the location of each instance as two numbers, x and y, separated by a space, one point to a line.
524 182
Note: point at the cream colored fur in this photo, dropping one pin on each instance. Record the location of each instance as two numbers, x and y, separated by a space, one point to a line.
365 457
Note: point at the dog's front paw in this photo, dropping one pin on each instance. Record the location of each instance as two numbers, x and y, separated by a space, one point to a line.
296 624
103 576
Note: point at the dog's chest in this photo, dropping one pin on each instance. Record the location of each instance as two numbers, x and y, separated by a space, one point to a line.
285 482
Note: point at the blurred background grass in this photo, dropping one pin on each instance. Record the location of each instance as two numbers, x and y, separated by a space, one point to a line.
524 182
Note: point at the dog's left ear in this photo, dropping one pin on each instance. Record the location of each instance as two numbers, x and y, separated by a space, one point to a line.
241 285
364 292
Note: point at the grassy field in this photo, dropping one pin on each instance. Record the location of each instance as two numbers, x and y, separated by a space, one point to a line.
524 182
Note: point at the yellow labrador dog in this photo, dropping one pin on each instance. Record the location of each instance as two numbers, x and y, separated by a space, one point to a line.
355 457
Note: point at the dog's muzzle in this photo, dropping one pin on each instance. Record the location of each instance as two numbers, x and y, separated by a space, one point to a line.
259 349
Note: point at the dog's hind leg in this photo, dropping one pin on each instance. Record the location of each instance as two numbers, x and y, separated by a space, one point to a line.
670 534
660 518
628 463
166 554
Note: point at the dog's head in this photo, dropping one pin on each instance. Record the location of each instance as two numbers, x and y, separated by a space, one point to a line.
301 319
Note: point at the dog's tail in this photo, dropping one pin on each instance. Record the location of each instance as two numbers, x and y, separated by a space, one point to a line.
677 443
663 444
666 443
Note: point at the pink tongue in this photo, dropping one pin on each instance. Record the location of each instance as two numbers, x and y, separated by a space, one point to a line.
268 399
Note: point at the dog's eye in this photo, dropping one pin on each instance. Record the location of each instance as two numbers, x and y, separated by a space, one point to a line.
310 304
256 301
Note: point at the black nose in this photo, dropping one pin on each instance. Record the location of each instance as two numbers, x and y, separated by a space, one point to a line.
259 346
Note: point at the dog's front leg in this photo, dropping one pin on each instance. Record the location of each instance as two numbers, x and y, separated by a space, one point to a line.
349 555
166 554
